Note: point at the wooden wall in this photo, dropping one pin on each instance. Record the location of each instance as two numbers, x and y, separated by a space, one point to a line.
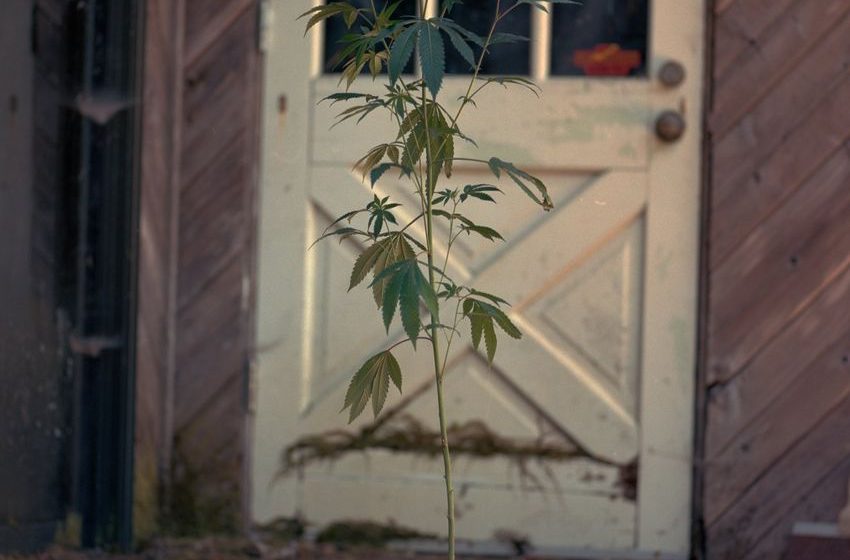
197 262
778 319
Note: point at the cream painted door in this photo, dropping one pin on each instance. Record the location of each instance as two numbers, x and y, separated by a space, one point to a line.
604 288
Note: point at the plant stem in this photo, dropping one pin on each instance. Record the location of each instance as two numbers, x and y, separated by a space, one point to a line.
430 185
439 376
447 459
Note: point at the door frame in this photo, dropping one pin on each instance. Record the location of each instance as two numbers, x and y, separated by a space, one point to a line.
666 457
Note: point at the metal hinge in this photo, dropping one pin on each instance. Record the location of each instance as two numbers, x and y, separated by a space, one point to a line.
265 21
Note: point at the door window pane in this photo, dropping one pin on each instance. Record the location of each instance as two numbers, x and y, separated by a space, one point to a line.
600 38
335 30
506 58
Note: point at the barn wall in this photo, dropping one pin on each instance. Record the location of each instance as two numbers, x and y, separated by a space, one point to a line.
197 255
778 318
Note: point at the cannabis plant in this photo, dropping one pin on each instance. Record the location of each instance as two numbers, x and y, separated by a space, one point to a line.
406 277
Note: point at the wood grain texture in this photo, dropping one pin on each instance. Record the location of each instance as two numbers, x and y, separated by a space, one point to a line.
772 371
778 332
780 267
196 269
157 257
751 142
781 46
216 244
740 26
800 474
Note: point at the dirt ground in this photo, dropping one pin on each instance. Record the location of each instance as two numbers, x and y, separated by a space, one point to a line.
240 549
207 552
291 539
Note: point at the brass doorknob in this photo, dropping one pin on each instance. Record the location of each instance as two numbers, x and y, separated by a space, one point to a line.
669 126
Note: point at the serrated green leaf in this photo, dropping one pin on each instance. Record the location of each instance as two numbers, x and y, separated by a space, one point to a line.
476 323
504 81
360 388
343 233
321 13
380 388
395 249
350 17
392 291
378 172
393 154
502 37
447 155
470 36
479 191
409 304
343 96
460 45
486 232
482 317
490 340
364 264
521 178
495 299
372 382
401 52
429 298
404 286
501 319
394 371
432 57
371 159
414 145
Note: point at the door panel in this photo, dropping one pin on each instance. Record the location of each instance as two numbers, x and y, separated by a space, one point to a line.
596 384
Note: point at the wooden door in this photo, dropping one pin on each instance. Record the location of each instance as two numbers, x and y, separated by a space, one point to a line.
579 436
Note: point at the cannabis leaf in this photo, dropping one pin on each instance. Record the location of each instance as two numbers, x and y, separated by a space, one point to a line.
401 52
384 253
479 191
460 45
405 286
482 317
522 178
505 81
321 13
378 172
502 37
432 56
444 196
372 381
379 214
468 225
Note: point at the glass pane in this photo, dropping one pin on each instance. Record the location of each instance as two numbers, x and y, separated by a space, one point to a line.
335 30
600 38
507 58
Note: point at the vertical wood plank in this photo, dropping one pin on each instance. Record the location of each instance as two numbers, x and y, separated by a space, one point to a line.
157 258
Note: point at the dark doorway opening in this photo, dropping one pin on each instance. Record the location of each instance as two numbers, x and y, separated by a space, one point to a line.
68 198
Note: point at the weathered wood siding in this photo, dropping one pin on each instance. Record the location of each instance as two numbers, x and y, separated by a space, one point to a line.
197 251
778 318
